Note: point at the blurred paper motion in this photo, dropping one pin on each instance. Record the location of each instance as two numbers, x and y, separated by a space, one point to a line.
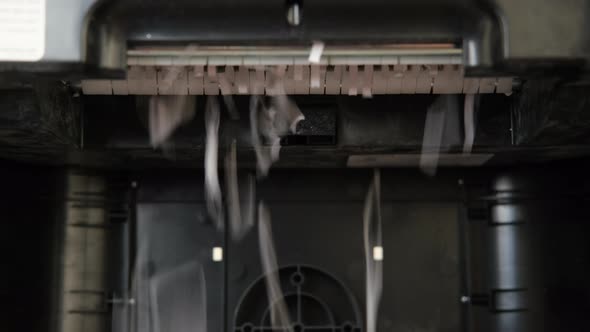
179 299
166 114
373 250
212 187
240 211
231 107
433 131
469 122
279 314
263 155
441 131
272 123
169 284
171 74
140 291
172 300
284 115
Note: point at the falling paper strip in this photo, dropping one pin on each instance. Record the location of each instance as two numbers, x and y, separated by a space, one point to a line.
367 81
179 299
373 260
442 131
263 161
212 187
240 219
316 52
469 123
166 114
279 314
352 81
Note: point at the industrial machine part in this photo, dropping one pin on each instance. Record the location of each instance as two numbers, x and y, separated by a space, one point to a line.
457 128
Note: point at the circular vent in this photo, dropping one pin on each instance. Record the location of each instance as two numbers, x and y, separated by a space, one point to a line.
316 301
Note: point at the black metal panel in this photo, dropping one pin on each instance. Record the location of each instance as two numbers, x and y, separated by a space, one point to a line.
334 128
525 252
29 290
529 264
266 22
547 112
173 232
544 121
317 221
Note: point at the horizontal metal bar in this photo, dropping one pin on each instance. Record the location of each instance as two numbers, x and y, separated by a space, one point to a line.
362 50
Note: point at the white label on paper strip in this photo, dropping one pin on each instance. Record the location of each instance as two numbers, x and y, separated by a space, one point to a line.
22 30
